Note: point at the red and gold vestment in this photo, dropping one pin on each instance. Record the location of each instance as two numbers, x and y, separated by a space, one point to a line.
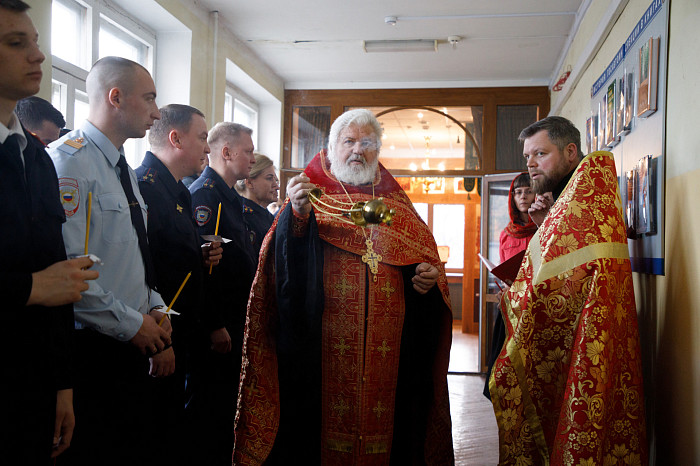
369 339
567 385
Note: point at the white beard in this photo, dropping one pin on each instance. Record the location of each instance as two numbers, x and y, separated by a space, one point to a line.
352 174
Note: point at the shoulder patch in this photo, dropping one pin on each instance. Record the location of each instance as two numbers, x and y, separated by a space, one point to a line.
208 183
202 215
149 176
71 146
70 195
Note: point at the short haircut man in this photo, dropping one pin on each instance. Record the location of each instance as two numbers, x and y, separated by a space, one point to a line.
119 336
41 118
37 283
560 131
227 132
178 148
215 389
173 116
552 149
567 384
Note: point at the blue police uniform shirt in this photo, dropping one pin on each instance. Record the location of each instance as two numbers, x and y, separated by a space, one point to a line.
86 161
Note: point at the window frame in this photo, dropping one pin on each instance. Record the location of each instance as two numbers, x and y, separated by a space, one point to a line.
74 76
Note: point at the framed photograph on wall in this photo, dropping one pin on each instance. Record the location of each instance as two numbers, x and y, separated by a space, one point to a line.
630 203
601 124
589 135
610 115
648 71
620 108
645 204
628 100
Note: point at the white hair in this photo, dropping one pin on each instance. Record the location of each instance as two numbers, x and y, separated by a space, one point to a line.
344 171
357 117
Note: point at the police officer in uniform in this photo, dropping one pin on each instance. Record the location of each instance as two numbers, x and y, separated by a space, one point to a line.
119 314
37 283
215 387
178 148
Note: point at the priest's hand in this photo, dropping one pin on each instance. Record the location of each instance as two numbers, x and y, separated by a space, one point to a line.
540 208
298 192
425 278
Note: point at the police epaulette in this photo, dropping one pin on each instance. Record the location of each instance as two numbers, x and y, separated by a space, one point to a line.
71 146
208 183
149 176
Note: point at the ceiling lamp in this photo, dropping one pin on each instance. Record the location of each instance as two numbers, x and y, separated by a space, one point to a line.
416 45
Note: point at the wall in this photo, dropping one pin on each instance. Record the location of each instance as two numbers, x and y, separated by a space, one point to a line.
201 63
669 313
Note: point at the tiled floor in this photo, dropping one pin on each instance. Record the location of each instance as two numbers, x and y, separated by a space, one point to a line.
474 430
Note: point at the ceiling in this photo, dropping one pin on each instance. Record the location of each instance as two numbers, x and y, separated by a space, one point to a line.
318 44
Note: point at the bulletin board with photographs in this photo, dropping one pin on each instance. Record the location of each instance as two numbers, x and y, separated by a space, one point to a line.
628 118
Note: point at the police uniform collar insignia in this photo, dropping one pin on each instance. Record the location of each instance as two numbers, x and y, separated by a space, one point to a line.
179 208
149 175
208 183
247 210
76 143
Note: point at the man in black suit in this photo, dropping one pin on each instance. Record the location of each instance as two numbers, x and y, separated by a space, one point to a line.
37 283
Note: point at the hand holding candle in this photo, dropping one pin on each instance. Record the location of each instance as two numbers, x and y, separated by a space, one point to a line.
160 322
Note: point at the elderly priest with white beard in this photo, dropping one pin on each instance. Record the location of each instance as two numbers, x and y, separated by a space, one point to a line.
349 323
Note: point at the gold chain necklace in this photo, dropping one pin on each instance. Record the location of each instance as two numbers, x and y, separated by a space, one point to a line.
370 257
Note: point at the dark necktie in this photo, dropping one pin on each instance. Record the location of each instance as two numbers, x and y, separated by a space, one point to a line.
11 145
137 221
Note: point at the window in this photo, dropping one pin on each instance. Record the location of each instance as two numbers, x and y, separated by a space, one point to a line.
448 229
431 138
82 32
228 107
511 120
117 41
81 108
310 127
70 32
59 94
239 108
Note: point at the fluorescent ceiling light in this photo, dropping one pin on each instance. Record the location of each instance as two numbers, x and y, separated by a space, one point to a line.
417 45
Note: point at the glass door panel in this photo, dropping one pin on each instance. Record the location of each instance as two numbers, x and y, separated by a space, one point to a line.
495 219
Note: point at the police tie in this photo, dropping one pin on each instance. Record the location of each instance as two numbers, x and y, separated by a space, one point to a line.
137 221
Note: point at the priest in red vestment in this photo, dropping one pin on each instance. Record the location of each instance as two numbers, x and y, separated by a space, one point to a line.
567 385
349 327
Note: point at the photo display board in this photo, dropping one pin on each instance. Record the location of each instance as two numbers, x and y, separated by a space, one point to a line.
628 118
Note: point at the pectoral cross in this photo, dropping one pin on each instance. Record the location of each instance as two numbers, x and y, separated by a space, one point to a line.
371 258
